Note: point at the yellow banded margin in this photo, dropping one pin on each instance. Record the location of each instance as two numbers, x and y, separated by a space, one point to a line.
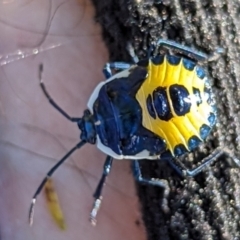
164 72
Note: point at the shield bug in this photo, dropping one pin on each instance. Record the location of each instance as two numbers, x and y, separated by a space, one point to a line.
158 108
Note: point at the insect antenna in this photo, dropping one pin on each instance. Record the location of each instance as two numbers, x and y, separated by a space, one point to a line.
51 101
48 175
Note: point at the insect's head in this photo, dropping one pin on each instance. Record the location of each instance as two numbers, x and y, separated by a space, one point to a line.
87 128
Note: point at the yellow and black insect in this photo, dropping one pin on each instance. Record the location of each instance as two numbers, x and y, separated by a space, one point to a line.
158 108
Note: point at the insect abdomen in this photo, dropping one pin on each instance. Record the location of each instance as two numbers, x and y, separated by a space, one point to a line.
177 103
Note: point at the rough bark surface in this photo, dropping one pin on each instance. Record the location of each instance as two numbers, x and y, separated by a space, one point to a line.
207 206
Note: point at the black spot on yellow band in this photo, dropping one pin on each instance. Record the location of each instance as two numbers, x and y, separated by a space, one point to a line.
181 101
161 104
150 107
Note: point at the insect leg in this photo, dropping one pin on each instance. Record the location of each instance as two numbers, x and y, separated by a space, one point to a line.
48 175
120 65
152 181
182 170
216 54
52 102
197 55
98 192
205 162
131 51
117 66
